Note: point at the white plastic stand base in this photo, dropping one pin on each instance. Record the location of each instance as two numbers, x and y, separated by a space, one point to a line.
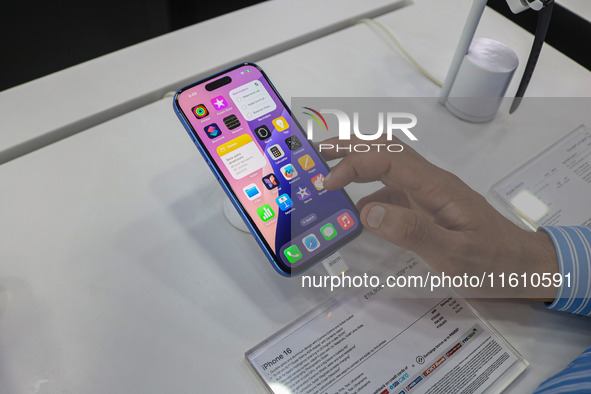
469 117
232 216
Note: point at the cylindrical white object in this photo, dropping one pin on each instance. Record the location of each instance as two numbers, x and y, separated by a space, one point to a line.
482 80
463 46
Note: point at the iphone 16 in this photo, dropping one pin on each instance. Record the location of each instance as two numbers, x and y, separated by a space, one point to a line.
270 171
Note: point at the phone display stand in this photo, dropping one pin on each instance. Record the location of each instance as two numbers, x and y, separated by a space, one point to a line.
232 216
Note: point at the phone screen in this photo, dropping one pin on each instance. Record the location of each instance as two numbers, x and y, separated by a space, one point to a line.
271 171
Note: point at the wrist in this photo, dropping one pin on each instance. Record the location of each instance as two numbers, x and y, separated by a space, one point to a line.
544 256
543 259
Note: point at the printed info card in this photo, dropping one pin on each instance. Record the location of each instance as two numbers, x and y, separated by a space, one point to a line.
377 344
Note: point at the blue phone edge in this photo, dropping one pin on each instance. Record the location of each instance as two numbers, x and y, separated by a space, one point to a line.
219 176
226 189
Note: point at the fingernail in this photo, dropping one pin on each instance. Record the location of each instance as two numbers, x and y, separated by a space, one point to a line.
327 177
375 216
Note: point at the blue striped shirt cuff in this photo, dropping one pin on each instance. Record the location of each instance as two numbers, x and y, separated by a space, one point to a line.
573 247
575 378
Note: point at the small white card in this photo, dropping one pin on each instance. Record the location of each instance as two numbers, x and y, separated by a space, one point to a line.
554 187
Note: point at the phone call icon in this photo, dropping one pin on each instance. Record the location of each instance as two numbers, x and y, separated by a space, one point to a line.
292 254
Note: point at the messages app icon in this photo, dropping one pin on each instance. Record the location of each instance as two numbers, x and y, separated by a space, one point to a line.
328 231
292 254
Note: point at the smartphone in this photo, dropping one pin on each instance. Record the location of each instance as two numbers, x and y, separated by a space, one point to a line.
271 172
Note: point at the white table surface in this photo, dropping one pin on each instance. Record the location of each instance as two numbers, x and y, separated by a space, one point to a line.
114 276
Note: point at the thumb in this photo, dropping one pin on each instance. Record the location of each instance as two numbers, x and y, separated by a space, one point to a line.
406 228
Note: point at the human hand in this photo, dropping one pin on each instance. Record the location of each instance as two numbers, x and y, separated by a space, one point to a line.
433 213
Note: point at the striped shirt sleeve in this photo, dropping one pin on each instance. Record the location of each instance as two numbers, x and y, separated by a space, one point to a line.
575 378
573 247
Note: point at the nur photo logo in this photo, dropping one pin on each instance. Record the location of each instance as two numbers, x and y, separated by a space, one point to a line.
388 124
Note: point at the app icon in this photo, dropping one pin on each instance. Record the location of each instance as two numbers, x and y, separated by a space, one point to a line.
200 111
280 123
231 122
328 231
271 181
292 254
293 142
212 130
284 202
306 162
345 221
275 152
265 213
252 191
262 132
311 242
219 102
303 193
289 172
318 181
